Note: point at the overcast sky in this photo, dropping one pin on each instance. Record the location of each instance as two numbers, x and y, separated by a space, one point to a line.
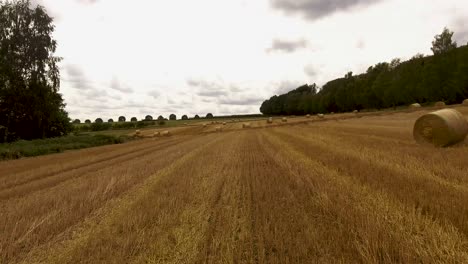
141 57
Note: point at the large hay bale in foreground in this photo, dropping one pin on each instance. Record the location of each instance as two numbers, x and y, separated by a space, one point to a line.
284 119
415 105
441 128
439 104
166 133
465 102
246 125
270 120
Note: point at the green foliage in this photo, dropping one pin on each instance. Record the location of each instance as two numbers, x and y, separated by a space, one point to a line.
98 120
110 121
160 117
172 117
122 119
76 121
30 105
161 122
23 148
209 115
100 126
133 119
442 77
148 118
196 117
87 121
184 117
443 43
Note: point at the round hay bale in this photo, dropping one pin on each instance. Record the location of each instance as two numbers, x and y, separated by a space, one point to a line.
218 129
320 116
270 120
465 102
441 128
307 116
415 105
284 119
355 111
439 104
224 123
166 133
185 124
156 134
332 113
137 133
246 125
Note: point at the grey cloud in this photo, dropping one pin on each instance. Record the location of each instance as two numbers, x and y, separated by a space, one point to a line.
361 44
77 77
207 89
460 31
87 2
286 86
119 86
316 9
245 100
155 94
287 46
311 71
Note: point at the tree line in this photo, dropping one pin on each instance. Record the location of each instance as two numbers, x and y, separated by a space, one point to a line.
422 79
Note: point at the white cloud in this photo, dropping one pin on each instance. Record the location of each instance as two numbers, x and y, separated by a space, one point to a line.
193 57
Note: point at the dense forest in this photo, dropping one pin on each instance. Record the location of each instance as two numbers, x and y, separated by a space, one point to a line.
422 79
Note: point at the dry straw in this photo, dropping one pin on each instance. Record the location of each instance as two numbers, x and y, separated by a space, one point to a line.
439 104
224 123
165 133
441 128
218 129
204 125
465 102
156 134
246 125
284 119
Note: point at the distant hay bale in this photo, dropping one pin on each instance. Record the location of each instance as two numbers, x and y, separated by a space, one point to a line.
246 125
284 119
321 116
332 113
224 123
185 124
307 116
218 129
465 102
156 134
439 104
137 133
415 105
441 128
355 111
204 125
166 133
270 120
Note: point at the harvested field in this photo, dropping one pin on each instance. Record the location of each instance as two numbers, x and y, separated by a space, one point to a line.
338 190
